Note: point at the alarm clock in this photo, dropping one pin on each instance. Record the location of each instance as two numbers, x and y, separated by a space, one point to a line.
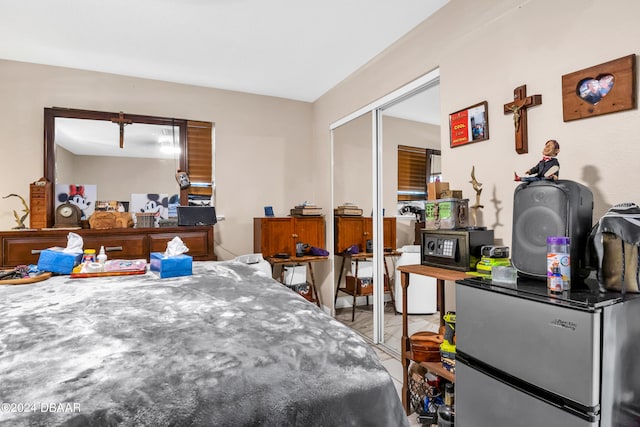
67 215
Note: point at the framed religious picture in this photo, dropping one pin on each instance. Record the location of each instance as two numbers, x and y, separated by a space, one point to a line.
469 125
602 89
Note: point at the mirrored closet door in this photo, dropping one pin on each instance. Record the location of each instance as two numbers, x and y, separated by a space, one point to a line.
352 195
410 141
365 147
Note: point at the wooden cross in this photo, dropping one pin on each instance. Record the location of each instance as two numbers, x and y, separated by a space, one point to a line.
122 122
519 110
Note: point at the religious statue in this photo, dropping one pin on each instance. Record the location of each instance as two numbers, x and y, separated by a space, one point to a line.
547 169
518 107
121 122
20 219
477 187
515 109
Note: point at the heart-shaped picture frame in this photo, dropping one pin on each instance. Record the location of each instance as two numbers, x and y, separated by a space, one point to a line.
592 90
580 100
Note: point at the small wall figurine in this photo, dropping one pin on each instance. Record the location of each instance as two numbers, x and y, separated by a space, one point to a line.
477 187
547 169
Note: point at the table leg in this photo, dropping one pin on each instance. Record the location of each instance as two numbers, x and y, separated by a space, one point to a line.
440 301
335 298
314 293
406 345
282 274
391 284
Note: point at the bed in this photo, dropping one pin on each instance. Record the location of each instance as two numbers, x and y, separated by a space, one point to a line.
227 346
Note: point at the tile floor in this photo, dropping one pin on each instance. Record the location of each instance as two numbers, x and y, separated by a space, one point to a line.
389 352
392 323
394 367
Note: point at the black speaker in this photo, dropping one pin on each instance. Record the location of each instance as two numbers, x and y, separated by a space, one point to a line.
542 209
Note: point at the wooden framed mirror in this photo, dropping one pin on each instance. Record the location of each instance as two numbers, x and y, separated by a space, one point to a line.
131 159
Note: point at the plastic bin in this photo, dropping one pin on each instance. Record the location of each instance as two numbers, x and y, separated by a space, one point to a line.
446 214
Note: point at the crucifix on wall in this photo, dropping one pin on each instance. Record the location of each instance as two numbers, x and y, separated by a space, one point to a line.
519 110
122 122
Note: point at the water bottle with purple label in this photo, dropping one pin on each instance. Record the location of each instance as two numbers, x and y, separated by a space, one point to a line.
558 260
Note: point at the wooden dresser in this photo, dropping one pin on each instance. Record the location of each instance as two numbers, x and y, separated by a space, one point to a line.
356 230
273 235
24 246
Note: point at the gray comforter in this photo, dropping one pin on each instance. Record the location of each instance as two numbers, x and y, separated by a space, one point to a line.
224 347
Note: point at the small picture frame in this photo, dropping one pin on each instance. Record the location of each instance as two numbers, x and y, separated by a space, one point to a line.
150 204
84 196
268 211
602 89
469 125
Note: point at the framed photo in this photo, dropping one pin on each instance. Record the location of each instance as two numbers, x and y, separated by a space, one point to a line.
150 203
469 125
601 89
82 195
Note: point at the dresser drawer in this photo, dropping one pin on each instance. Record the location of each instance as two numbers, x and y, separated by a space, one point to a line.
38 208
26 250
119 247
199 243
23 247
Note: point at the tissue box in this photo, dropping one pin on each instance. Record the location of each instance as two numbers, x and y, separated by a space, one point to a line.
56 261
173 266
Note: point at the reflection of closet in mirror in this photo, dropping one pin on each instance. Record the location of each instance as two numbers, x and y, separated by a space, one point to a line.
393 128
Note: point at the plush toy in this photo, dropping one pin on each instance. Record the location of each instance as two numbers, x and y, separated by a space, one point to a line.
547 169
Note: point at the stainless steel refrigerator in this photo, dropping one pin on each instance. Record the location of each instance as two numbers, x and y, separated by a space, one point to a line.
526 357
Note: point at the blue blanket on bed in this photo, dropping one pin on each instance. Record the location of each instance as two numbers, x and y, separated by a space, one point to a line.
227 346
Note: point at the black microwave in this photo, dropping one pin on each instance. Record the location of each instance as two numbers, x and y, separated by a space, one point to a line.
454 249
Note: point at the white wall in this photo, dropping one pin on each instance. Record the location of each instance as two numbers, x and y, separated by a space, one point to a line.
485 49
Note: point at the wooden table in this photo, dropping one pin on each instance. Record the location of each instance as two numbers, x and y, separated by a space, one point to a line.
300 260
441 275
362 256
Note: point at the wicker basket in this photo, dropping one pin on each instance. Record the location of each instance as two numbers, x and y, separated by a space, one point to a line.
145 220
363 285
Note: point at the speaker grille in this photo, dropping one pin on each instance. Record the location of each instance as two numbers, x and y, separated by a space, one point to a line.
539 212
